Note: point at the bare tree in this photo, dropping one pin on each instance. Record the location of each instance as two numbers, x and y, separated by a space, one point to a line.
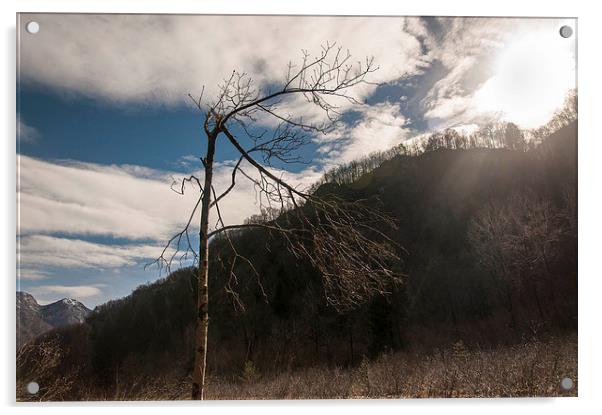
344 240
488 235
515 242
562 117
514 138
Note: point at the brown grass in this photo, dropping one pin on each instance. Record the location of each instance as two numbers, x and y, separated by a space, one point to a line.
530 369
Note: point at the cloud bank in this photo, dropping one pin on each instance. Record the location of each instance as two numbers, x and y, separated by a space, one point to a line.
159 59
65 204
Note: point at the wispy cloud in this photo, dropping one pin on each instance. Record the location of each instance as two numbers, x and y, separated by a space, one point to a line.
50 251
47 293
189 161
132 202
78 201
26 133
89 199
378 127
30 274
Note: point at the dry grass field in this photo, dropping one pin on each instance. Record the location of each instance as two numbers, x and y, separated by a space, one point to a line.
532 369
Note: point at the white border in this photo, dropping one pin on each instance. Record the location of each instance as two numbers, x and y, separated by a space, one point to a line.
590 230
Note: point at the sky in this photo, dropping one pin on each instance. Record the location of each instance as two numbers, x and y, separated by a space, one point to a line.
105 124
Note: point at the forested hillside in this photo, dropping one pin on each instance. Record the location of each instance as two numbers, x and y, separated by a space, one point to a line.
488 245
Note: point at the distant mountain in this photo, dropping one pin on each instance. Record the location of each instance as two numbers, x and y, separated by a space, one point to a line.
34 319
29 321
64 312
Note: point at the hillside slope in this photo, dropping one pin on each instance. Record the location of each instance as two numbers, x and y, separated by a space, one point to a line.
443 201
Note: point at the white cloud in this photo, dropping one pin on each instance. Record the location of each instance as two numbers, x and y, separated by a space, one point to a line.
517 70
528 87
466 129
132 202
380 127
49 251
30 274
161 58
47 293
446 97
26 133
121 201
61 202
462 37
88 199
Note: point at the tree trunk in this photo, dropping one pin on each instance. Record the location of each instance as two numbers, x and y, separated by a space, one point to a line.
202 322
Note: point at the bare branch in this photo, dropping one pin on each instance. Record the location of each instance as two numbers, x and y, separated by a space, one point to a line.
166 260
328 75
347 242
258 166
232 184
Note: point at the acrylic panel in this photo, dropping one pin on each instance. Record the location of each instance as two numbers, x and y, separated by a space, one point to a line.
295 207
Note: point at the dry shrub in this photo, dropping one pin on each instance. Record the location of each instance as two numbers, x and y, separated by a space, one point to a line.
532 368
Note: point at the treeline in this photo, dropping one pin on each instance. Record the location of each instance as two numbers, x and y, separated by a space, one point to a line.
522 245
491 135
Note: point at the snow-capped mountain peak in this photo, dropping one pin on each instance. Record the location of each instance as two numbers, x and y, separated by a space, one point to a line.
34 319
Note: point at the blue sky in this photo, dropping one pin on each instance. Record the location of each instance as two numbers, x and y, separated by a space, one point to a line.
104 122
147 136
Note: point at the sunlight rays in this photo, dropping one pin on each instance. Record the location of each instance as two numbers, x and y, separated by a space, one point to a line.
532 75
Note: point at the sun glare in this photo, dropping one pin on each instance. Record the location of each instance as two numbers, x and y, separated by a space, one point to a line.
532 75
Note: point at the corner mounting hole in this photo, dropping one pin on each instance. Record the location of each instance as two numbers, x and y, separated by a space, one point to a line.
566 31
33 388
566 384
33 27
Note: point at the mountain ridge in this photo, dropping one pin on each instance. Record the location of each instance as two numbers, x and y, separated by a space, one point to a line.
34 319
